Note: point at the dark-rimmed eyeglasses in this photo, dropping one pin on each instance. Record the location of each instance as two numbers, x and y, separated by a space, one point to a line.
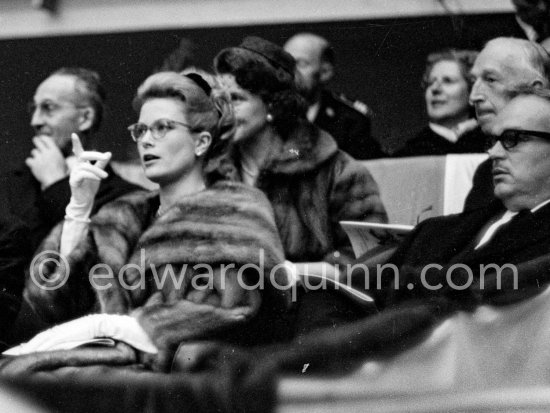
510 138
158 128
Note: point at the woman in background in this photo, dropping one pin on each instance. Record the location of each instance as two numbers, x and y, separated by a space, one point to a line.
311 184
452 127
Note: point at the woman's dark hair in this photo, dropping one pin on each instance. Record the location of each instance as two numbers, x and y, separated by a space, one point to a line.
275 85
212 113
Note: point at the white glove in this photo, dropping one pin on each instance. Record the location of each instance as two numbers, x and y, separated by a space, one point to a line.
85 329
85 179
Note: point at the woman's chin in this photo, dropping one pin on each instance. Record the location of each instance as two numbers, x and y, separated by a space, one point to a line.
153 177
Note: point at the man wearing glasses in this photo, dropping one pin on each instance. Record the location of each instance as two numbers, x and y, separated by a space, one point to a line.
504 68
33 198
69 100
499 254
520 155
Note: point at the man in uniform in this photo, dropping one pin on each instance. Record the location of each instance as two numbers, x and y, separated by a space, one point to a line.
347 121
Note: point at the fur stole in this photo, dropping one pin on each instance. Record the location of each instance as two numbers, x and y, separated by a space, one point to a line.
168 271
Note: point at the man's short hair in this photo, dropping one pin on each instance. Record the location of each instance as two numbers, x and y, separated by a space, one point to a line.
537 58
90 88
537 91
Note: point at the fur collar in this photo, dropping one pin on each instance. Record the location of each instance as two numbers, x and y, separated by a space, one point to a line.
304 151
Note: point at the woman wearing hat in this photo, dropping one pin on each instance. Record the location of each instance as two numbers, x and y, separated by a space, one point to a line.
311 184
154 261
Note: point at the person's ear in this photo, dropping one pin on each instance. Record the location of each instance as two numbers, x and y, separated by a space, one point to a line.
326 72
202 143
86 118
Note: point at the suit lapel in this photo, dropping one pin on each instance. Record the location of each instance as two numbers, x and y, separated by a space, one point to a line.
521 233
444 238
23 191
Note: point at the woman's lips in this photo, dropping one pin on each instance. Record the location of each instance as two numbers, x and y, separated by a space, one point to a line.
149 158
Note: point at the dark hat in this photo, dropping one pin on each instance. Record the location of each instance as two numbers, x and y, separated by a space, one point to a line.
272 52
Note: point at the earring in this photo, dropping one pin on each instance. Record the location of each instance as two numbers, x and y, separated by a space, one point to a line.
199 152
269 118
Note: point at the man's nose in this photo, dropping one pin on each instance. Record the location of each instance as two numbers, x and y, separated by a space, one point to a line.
37 119
496 151
476 94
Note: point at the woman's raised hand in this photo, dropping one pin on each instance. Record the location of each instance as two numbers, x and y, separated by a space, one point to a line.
86 176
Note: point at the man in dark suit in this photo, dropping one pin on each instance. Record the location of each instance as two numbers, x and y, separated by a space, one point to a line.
347 121
69 100
505 67
452 256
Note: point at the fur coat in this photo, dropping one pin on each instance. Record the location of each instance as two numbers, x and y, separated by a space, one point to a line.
169 271
312 185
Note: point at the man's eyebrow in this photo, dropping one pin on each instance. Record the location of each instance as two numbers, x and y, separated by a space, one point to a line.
44 102
490 71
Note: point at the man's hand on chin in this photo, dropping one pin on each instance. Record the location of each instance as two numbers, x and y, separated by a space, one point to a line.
46 161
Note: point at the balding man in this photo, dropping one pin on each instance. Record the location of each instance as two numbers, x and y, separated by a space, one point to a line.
504 68
70 100
33 197
347 121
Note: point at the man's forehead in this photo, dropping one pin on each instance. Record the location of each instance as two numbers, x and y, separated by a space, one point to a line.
504 58
57 87
305 46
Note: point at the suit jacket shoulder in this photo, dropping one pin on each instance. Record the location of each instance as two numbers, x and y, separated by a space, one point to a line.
350 124
425 143
456 237
20 195
429 143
